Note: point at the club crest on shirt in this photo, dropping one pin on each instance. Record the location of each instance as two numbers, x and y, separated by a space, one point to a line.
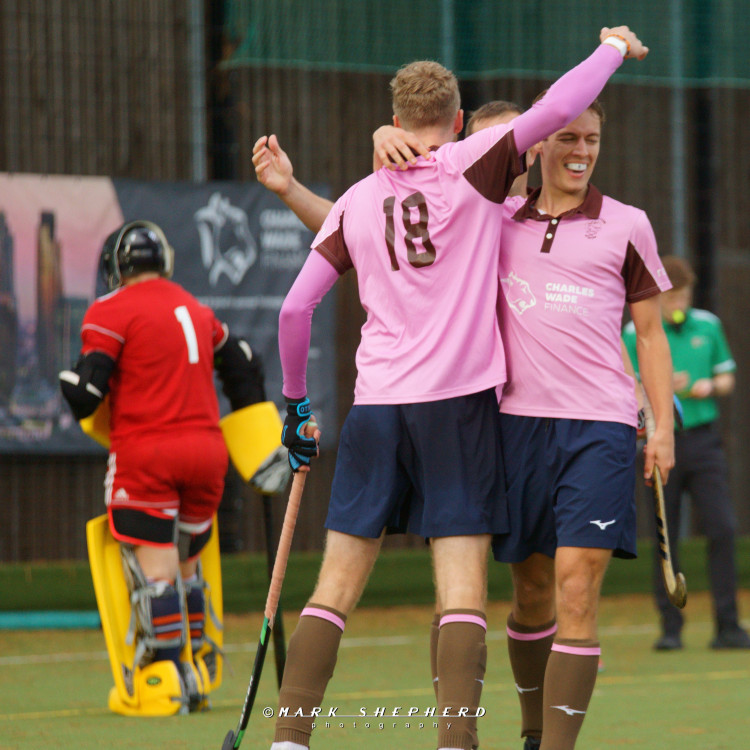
518 293
592 228
227 245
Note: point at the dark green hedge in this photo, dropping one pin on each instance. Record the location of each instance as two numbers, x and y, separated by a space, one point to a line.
400 577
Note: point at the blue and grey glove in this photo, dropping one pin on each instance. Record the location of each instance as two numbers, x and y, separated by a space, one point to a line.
301 448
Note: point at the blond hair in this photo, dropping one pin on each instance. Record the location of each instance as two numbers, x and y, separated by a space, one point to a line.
424 94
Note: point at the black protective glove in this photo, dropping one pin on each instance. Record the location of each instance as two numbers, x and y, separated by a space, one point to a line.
301 448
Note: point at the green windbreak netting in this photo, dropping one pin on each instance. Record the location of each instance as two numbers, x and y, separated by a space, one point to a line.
693 42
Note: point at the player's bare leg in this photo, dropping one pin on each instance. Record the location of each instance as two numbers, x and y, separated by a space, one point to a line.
574 660
161 563
531 630
461 578
313 647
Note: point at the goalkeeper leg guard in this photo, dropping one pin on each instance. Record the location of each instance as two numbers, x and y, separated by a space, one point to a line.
205 613
205 630
141 688
157 691
159 628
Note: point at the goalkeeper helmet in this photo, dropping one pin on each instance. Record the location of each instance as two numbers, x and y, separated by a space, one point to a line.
136 247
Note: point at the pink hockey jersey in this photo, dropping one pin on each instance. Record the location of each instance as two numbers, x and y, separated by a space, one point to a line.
564 284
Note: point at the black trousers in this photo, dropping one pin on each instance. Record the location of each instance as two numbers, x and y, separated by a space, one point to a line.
701 471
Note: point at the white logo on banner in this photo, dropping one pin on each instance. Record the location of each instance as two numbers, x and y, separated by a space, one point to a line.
235 260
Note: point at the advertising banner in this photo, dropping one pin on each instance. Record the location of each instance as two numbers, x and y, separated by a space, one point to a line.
237 249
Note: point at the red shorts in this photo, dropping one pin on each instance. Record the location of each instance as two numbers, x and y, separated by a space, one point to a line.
178 477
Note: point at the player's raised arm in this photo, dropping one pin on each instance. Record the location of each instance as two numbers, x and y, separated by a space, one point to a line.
572 93
635 47
273 168
396 148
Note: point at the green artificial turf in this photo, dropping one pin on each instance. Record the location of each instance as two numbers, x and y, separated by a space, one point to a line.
53 689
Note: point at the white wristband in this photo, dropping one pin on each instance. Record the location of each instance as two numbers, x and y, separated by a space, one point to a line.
619 44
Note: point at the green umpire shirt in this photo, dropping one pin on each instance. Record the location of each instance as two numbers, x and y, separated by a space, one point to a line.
699 348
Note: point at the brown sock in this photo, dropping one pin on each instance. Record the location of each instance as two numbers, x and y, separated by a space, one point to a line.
461 663
528 649
434 631
310 660
568 685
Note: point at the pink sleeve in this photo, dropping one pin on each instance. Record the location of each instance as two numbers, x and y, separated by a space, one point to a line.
567 98
295 321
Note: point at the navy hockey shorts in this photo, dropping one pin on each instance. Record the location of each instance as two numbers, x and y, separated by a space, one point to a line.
570 483
434 469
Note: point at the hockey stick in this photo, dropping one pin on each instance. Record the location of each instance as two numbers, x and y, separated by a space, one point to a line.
674 583
279 642
272 478
234 737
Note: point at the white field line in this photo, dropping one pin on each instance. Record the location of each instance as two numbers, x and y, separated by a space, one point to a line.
371 642
603 680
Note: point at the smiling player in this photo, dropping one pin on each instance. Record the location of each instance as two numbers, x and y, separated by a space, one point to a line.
571 259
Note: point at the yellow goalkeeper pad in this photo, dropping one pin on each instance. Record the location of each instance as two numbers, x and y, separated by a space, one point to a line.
154 689
96 426
209 655
251 435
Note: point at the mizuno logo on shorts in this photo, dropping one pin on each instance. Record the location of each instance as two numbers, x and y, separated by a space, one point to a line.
603 524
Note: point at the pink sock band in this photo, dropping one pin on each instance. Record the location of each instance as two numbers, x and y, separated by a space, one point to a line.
532 636
474 619
324 614
577 651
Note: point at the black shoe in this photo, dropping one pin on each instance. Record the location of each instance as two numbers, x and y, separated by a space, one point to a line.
532 743
668 642
733 637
